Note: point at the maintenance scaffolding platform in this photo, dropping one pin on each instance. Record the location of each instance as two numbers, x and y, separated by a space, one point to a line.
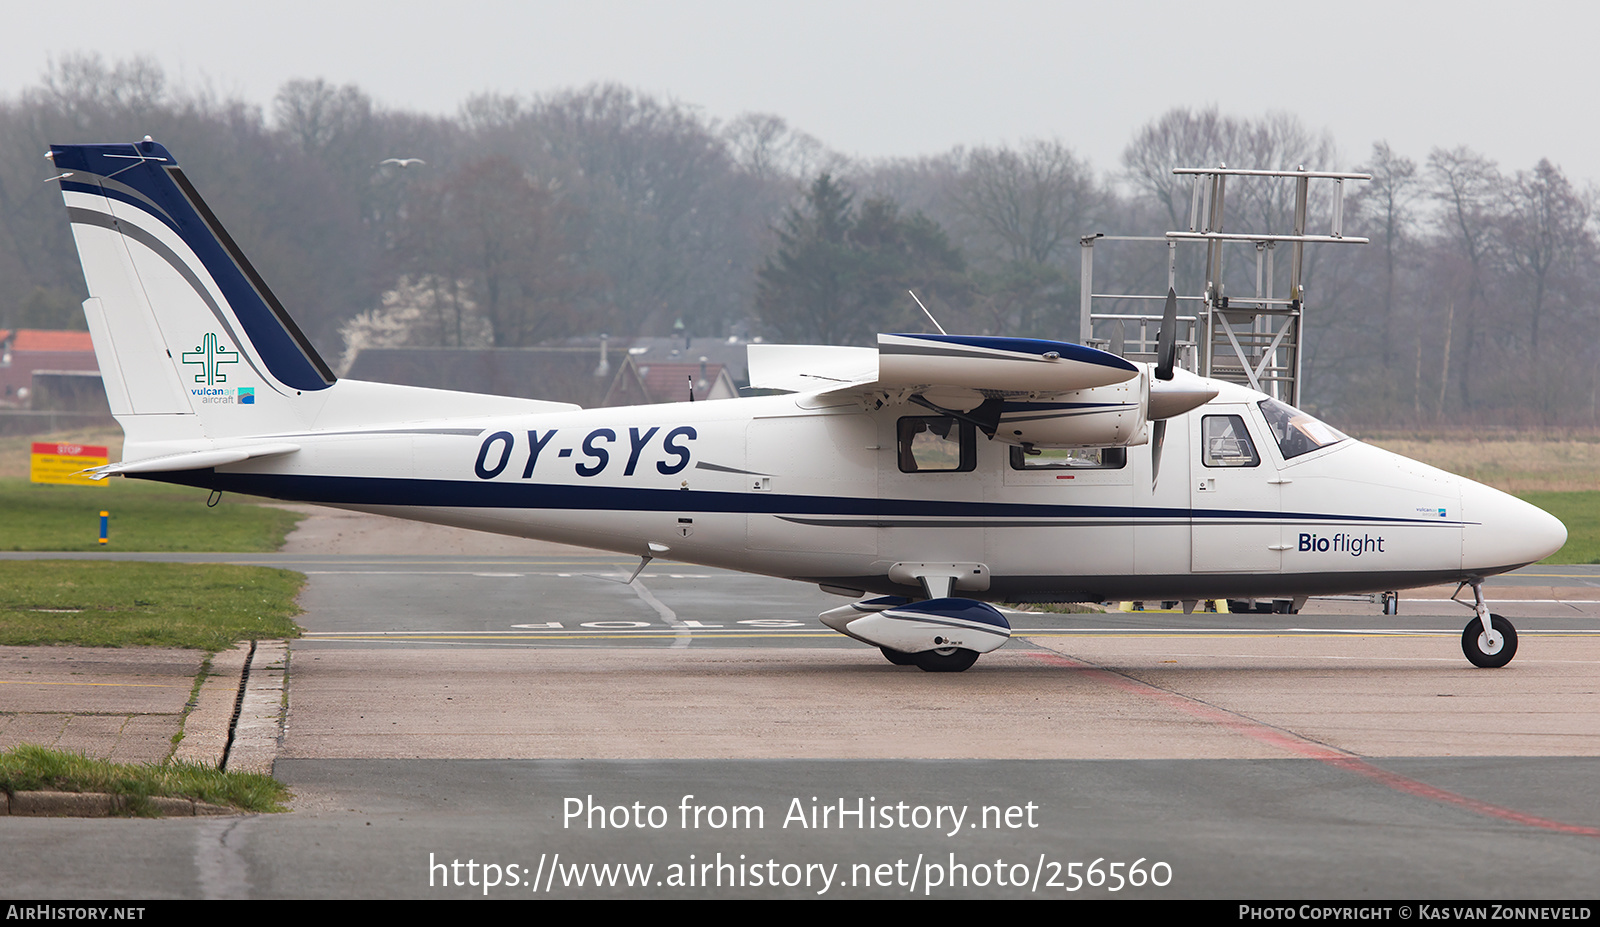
1257 340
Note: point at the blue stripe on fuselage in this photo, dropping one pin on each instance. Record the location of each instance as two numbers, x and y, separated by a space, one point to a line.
374 490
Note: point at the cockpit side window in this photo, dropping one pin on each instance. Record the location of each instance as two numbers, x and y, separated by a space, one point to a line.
1069 458
1296 432
933 444
1226 443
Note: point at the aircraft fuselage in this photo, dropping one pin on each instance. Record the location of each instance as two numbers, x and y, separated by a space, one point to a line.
788 486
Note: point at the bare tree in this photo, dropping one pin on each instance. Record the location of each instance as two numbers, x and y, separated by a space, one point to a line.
85 90
1034 201
1179 138
1205 138
1467 187
1388 199
1280 141
318 115
668 210
1546 233
501 243
768 149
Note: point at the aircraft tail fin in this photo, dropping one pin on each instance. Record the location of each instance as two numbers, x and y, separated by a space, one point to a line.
191 341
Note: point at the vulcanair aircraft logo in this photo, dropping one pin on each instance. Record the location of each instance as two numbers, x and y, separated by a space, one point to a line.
210 355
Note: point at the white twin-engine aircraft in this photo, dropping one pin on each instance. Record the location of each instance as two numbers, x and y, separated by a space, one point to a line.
933 471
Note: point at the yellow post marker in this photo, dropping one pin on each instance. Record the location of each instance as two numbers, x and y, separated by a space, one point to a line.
65 463
105 525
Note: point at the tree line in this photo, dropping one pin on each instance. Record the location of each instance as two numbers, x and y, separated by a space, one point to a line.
525 219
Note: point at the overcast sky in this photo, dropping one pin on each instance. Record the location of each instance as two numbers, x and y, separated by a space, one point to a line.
1513 81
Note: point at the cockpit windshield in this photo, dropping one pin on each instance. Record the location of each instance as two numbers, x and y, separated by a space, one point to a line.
1297 433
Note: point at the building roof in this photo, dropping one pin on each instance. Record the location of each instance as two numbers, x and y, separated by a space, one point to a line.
555 374
670 382
40 339
729 352
30 349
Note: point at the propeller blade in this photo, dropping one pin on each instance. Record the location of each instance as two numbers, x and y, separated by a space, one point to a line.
1116 339
1157 436
1167 338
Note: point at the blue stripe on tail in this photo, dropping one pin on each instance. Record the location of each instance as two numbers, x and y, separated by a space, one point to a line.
154 184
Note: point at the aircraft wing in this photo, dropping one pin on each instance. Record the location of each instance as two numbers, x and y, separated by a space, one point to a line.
938 362
804 368
1023 391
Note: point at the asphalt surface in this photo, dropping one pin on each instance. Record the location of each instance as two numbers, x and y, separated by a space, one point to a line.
456 708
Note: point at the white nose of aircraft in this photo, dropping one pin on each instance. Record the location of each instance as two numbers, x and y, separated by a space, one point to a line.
1503 531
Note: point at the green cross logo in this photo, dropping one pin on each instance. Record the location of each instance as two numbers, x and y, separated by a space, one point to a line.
210 354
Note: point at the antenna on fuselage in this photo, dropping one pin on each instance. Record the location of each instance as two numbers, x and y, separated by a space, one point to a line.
928 314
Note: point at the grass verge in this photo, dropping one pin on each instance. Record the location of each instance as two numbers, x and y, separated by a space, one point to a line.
15 450
145 516
1512 463
1580 512
204 606
29 769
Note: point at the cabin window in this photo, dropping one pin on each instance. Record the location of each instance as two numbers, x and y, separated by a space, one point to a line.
937 444
1226 443
1296 432
1069 458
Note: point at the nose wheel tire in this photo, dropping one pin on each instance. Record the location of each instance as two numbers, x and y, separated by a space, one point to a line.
945 659
1484 651
899 657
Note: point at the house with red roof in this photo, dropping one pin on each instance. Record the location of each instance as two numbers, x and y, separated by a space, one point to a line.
26 351
671 381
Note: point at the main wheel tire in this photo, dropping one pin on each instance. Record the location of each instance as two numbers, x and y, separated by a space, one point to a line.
899 657
1475 645
946 659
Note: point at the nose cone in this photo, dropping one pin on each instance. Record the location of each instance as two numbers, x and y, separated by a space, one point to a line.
1503 531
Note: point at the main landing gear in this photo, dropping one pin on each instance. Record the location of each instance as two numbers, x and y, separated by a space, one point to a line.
942 635
1488 640
938 660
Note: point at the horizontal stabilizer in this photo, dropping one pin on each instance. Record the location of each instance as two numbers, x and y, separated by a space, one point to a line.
192 460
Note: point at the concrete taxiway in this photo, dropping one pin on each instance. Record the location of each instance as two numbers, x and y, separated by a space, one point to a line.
448 706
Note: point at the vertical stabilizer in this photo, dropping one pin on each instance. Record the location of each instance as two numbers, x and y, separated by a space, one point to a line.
191 341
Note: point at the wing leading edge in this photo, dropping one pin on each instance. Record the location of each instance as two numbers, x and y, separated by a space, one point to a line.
976 362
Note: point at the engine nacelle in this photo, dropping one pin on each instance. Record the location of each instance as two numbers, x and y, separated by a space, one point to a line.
1106 416
913 627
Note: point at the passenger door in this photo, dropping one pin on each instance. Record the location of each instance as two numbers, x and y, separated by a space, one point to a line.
1235 521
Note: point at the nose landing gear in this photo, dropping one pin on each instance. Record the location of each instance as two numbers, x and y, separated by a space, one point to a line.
1491 649
1488 640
